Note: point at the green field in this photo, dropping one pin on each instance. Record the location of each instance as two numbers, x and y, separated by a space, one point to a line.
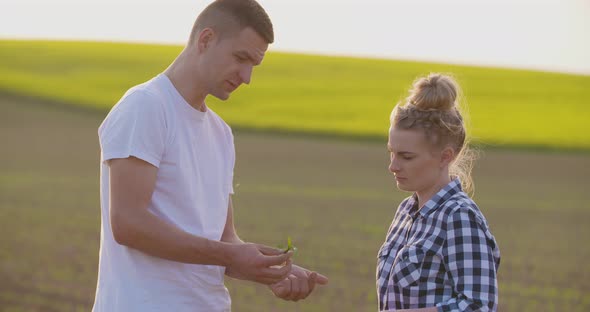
335 198
314 94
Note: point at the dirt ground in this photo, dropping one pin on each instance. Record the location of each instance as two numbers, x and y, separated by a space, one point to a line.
335 199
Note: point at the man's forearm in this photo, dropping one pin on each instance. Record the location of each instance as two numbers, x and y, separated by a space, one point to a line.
148 233
232 238
229 232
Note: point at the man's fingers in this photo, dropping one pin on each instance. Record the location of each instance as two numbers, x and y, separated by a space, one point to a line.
321 279
282 288
295 288
304 288
278 274
269 251
276 260
311 281
266 280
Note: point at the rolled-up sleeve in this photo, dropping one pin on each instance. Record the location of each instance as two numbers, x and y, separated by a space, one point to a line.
469 260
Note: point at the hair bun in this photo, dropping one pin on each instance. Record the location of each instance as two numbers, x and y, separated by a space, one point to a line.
434 92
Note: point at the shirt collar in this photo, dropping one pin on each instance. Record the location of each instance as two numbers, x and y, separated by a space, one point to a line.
439 198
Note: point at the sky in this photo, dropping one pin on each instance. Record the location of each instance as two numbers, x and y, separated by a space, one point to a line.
550 35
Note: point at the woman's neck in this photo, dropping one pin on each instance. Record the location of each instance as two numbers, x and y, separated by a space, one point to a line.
426 194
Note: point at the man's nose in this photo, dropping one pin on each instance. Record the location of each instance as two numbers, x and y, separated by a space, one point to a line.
246 74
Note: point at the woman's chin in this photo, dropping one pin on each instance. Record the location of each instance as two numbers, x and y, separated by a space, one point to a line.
403 187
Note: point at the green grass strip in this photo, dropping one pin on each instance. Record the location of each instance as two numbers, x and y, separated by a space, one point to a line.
317 95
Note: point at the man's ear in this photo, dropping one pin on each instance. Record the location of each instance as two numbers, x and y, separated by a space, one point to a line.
447 156
206 38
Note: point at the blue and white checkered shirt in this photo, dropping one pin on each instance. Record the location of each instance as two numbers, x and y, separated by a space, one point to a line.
442 255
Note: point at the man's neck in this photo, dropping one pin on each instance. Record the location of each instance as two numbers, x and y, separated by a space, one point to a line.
186 83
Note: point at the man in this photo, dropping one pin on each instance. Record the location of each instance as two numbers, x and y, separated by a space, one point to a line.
167 235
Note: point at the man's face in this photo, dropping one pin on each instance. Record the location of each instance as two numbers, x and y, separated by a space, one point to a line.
229 61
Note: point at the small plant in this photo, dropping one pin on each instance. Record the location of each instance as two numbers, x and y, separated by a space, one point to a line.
289 246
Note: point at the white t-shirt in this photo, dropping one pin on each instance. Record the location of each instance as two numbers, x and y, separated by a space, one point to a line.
194 153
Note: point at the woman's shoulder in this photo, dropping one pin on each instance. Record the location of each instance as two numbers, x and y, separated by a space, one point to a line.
461 207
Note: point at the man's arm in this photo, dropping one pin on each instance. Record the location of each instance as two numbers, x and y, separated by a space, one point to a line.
132 182
229 232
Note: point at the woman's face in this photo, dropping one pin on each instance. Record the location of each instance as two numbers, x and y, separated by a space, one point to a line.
416 165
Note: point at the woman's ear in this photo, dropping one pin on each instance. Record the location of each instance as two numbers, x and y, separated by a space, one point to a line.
447 156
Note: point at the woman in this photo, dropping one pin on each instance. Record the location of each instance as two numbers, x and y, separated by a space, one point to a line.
439 254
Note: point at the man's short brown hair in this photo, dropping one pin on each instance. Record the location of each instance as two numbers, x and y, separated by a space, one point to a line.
229 16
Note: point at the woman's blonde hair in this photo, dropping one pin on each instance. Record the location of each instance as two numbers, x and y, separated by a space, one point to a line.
433 106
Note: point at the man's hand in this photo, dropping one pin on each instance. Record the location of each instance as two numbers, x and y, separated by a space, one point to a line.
258 263
298 285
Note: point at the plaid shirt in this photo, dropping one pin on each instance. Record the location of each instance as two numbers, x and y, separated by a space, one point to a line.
442 255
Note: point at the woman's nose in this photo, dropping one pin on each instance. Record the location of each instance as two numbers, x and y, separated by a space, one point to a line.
393 166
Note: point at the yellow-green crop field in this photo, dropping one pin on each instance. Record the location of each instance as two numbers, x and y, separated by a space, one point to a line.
332 96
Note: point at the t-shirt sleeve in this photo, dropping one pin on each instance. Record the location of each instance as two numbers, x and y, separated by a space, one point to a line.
232 162
135 127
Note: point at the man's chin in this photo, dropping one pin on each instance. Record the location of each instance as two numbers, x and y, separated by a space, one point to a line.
221 95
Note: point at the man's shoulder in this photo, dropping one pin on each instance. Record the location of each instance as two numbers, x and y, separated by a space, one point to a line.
140 103
144 98
148 91
220 122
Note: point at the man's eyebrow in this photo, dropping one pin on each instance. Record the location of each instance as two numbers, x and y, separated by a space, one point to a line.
247 55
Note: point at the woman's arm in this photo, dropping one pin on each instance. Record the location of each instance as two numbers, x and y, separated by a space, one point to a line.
469 260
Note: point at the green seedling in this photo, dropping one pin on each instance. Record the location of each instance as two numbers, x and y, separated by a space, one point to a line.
289 246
